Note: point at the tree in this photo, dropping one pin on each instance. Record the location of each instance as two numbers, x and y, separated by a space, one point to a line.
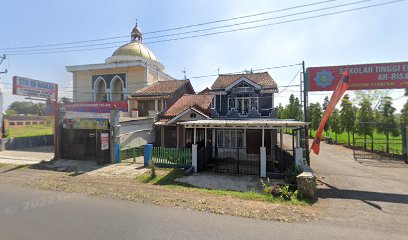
315 111
387 123
404 111
347 116
28 108
365 118
325 104
281 112
335 123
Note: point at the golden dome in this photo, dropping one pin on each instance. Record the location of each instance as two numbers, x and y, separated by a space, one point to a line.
135 49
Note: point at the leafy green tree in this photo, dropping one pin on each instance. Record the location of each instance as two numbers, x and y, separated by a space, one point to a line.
11 112
335 123
404 111
28 108
365 119
281 112
387 123
347 116
315 111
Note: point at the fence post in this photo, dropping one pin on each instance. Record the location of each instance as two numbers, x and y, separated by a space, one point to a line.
194 156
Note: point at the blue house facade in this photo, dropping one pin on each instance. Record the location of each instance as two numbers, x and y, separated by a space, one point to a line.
243 96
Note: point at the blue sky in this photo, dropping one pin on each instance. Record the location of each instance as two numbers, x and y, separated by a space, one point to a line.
366 36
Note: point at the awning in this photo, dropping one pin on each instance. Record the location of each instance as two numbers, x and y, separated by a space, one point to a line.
247 123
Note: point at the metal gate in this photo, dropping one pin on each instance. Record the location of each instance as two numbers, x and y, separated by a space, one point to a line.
388 143
228 160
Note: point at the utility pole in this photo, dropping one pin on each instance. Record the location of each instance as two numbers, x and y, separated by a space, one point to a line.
305 103
2 58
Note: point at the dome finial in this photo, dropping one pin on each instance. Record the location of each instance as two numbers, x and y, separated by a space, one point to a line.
136 34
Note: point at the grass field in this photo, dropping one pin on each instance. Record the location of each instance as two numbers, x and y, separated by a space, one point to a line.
30 131
379 142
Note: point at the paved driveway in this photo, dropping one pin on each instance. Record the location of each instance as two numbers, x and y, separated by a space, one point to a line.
361 193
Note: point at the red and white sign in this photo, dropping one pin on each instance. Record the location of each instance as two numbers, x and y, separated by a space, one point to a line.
95 107
362 76
104 141
34 88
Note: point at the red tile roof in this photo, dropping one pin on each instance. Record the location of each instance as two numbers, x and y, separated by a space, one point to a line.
201 102
263 79
162 88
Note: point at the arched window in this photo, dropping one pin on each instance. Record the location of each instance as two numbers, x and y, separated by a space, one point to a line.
100 90
117 89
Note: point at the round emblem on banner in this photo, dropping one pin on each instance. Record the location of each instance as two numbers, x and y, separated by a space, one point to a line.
324 79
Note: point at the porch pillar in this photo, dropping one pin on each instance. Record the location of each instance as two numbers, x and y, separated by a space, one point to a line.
299 162
213 137
194 156
205 137
195 135
156 106
298 138
263 161
162 136
281 137
178 135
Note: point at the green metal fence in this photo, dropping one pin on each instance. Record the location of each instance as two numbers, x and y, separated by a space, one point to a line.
134 154
172 157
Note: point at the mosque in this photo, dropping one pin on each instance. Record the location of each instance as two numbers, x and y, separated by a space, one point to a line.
130 68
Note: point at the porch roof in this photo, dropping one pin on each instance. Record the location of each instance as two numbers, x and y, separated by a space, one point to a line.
247 123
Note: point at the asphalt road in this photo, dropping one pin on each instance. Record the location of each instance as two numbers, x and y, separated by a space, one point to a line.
34 214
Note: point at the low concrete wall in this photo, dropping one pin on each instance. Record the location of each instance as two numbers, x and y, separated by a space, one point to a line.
25 142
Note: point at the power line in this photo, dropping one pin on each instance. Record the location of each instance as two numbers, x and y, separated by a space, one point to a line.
188 32
290 81
175 28
220 32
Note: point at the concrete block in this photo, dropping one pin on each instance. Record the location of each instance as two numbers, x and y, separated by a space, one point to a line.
306 183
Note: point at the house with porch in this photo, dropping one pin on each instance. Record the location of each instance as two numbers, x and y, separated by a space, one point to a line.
158 96
232 127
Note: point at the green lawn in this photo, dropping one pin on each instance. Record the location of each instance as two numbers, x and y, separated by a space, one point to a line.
379 143
30 131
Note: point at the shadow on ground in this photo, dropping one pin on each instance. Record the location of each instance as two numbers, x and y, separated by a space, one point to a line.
365 196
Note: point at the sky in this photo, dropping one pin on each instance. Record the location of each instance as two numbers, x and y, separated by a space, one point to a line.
372 35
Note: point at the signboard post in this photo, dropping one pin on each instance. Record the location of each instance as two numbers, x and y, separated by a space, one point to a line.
39 89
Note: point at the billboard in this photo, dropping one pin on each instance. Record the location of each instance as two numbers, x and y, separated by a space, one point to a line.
34 88
95 107
362 76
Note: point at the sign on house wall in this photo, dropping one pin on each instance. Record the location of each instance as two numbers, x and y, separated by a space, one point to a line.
86 123
362 76
95 107
34 88
104 141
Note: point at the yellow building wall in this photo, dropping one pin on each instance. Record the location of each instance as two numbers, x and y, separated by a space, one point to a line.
82 81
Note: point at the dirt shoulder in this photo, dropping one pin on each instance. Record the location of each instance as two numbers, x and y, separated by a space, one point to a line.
133 189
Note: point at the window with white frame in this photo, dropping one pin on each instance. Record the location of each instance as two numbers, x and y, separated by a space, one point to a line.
243 103
230 138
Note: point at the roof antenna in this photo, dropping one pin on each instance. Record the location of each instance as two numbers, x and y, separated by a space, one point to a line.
218 70
184 73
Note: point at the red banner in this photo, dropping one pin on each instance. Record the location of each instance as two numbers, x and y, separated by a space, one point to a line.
95 107
341 88
362 76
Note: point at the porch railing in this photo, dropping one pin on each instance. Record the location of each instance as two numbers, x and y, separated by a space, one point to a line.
172 157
